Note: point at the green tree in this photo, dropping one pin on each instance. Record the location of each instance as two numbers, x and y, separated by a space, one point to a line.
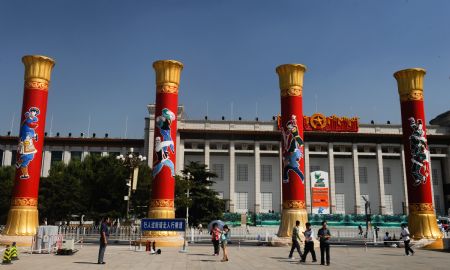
7 175
204 203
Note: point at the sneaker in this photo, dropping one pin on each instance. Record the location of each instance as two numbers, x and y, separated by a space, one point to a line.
291 258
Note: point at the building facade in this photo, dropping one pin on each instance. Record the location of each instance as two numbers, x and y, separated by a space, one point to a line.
246 157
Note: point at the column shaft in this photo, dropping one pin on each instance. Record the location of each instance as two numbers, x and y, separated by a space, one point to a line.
308 179
381 179
332 178
257 208
356 179
231 206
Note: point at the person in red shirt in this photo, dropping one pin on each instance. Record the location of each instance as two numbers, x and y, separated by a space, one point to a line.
215 236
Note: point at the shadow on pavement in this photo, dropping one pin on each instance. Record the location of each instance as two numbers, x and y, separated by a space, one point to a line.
85 262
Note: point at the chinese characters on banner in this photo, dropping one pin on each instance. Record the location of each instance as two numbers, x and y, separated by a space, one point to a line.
320 192
149 224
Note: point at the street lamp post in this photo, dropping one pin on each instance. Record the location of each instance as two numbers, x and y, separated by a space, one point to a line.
187 178
131 161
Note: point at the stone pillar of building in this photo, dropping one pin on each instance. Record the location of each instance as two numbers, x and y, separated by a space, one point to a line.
381 180
180 156
422 218
308 179
161 206
7 156
332 178
23 218
291 126
258 205
232 196
207 154
356 179
66 155
47 163
404 180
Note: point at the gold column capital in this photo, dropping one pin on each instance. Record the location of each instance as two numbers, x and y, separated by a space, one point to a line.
410 83
291 79
38 69
168 73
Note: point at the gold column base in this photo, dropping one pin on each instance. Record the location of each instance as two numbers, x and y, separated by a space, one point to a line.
423 225
288 218
162 238
21 241
22 221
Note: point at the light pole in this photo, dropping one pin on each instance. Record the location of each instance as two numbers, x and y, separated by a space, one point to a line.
131 161
187 178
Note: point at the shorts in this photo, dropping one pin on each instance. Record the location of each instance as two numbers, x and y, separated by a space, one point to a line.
223 244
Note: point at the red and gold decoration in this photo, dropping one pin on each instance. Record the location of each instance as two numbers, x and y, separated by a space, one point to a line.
422 218
23 215
320 122
168 74
291 125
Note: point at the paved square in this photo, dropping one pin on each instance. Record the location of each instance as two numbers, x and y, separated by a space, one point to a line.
245 257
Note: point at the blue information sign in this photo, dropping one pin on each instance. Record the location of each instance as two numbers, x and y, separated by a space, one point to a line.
151 224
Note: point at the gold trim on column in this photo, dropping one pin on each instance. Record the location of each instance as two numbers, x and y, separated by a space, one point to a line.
38 67
422 224
22 220
294 204
166 203
410 83
288 219
167 89
291 79
168 73
421 207
24 201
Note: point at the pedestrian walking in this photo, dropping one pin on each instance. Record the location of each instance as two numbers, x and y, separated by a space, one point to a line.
324 235
7 255
104 234
200 228
404 234
360 229
296 240
309 243
224 242
215 236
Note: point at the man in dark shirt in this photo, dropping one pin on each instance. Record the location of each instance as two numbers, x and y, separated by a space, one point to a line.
104 234
324 237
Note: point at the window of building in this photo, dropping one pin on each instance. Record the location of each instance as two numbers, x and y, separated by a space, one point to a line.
242 172
388 204
266 173
220 195
266 201
363 175
57 156
314 168
436 177
1 157
387 175
76 155
218 169
340 203
95 154
437 204
339 174
242 201
13 157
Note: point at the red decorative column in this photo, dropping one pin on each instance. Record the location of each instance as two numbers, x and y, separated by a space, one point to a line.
23 214
291 126
422 218
164 157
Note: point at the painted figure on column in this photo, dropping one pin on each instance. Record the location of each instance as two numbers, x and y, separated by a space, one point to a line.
27 136
293 150
419 154
165 147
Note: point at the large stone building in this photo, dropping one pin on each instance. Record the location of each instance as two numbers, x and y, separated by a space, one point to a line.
246 157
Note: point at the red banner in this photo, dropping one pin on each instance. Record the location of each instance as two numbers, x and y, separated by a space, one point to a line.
320 122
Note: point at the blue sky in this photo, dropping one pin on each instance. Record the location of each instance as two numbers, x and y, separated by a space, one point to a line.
105 49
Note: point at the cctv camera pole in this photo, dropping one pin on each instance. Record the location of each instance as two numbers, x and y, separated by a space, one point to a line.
422 218
161 206
291 126
23 216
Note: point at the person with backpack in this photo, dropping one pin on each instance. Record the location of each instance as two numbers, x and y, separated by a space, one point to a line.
224 242
215 238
